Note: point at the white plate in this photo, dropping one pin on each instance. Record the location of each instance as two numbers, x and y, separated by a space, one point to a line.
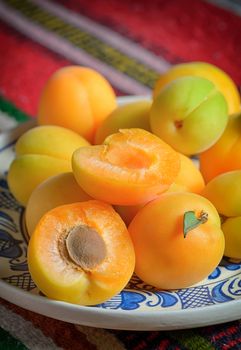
215 300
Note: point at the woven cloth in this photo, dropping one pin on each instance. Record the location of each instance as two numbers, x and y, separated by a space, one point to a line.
130 43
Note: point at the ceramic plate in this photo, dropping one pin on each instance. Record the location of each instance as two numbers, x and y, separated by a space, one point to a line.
215 300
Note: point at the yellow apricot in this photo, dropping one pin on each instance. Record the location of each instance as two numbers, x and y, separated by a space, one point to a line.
232 233
224 191
55 191
41 152
218 77
130 115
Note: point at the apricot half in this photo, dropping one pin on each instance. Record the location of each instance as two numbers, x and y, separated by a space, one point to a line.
178 240
131 167
81 253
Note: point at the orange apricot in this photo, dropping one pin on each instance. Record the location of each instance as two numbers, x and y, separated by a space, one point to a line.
225 154
189 178
78 98
81 253
131 167
178 240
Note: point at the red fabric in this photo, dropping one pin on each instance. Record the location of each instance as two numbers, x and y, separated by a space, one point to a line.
179 30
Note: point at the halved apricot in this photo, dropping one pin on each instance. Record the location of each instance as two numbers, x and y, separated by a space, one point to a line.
81 253
131 167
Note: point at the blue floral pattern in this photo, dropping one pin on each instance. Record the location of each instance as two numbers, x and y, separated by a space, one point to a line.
223 284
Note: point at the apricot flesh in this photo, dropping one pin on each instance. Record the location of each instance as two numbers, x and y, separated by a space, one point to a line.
63 259
55 191
77 98
165 258
41 152
131 167
218 77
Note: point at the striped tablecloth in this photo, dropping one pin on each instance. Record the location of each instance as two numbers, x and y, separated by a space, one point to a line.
130 43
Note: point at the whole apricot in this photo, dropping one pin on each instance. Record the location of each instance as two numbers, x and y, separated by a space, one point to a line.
55 191
131 115
178 240
41 152
81 253
133 166
217 76
225 154
77 98
190 114
224 191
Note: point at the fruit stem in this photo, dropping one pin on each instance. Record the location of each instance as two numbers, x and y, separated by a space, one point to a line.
191 221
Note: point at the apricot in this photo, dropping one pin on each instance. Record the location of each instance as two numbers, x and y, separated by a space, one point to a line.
177 239
131 167
189 179
225 154
81 253
41 152
190 114
78 98
224 191
131 115
55 191
218 77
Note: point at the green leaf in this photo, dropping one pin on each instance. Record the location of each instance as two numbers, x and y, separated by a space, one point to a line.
190 221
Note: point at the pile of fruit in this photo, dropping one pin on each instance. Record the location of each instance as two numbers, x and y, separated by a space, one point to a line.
111 189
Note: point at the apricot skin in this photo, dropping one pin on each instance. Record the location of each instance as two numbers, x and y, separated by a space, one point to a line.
130 115
41 152
190 114
77 98
61 279
55 191
218 77
164 258
225 154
